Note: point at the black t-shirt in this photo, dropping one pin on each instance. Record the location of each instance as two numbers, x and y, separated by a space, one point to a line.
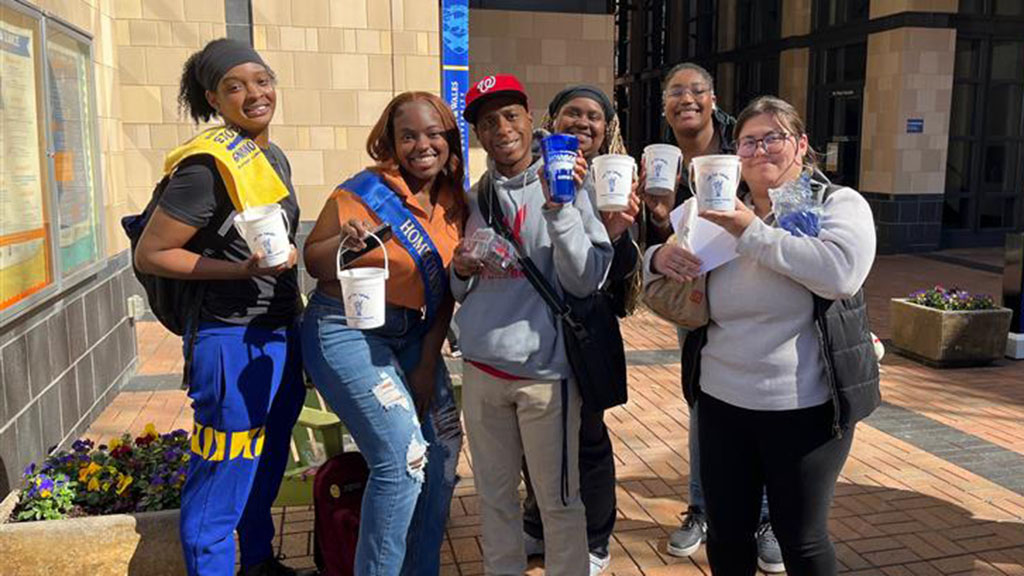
196 196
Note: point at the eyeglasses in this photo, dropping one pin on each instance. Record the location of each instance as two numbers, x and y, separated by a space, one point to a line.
773 143
677 92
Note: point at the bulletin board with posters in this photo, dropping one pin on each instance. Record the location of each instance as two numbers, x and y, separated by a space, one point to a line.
50 228
73 149
25 242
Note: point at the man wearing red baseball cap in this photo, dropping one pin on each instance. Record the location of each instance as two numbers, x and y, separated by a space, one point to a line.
518 394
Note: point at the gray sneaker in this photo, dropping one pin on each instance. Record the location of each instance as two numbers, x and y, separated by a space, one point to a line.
769 555
599 564
685 541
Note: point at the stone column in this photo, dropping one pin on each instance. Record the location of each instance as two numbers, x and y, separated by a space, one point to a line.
907 99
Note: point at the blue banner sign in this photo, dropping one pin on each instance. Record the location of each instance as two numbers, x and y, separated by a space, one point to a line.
455 66
915 125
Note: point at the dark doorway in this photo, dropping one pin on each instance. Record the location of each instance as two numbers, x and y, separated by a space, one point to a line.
837 108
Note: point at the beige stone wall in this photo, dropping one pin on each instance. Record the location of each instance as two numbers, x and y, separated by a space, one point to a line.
97 20
880 8
153 38
547 51
796 18
794 74
338 63
909 75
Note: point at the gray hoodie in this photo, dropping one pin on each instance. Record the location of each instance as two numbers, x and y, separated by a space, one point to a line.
503 322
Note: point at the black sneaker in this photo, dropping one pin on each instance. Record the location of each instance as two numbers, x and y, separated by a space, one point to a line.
271 567
769 555
685 541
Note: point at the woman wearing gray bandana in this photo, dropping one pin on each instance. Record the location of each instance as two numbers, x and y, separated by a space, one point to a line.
241 344
587 113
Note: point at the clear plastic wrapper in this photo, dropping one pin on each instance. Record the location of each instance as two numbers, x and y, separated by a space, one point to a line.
490 247
796 207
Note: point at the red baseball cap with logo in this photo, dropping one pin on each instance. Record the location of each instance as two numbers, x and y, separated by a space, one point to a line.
489 86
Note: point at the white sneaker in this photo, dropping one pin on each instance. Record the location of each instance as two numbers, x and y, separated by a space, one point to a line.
598 565
534 546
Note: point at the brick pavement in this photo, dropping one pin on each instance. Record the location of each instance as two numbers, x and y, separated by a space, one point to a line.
932 486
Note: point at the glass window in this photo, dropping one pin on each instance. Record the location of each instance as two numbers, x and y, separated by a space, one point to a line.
972 6
702 29
622 37
25 227
955 212
958 166
1008 61
1008 7
1004 109
839 12
238 20
997 169
961 122
73 147
996 212
757 21
966 64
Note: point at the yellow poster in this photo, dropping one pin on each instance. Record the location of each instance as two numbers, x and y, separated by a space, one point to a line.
24 245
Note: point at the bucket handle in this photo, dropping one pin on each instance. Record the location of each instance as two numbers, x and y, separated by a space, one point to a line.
342 249
240 226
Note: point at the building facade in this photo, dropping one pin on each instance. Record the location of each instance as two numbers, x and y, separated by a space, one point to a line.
916 103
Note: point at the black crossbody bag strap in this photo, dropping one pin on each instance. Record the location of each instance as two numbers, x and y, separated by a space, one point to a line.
491 210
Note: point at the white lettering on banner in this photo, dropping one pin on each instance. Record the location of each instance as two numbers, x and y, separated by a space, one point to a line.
414 237
422 247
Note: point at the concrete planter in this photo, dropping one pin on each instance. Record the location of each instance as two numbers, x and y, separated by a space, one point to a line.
948 338
144 544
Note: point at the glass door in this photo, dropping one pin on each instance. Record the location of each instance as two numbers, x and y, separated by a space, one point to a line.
837 110
984 173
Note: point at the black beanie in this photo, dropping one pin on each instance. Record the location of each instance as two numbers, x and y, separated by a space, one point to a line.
222 55
582 91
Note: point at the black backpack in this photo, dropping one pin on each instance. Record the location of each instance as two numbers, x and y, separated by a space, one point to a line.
174 302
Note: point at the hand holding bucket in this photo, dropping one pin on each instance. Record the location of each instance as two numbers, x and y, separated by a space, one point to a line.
265 230
662 164
714 180
363 291
614 175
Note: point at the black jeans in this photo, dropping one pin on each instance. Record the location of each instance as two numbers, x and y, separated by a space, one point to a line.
794 455
597 485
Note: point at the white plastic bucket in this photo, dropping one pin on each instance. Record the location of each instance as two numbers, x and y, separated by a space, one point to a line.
362 291
662 163
265 230
613 174
714 180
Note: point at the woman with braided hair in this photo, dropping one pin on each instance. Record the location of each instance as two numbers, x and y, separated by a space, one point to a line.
587 113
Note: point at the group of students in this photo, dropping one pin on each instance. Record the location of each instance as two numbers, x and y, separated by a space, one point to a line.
765 422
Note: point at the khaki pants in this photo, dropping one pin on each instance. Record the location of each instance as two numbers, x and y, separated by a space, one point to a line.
505 420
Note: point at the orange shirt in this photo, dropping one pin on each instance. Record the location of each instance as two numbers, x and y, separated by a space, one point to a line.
405 283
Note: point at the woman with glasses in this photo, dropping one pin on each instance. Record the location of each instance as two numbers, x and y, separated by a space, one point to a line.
699 128
770 387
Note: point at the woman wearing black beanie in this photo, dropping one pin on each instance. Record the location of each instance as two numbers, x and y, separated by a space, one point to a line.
242 357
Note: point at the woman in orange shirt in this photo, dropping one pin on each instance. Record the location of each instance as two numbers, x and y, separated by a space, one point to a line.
389 385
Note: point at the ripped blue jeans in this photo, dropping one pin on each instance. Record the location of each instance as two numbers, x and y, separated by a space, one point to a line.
361 374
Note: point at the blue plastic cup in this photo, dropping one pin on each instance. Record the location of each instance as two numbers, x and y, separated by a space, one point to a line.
559 152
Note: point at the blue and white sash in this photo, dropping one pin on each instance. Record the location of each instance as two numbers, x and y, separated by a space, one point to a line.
381 200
